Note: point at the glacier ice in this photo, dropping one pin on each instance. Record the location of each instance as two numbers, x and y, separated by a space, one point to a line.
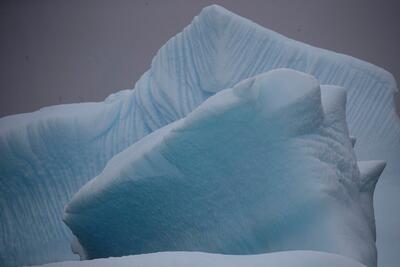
46 156
197 259
265 166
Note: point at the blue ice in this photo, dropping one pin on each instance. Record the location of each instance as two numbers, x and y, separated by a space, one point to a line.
48 155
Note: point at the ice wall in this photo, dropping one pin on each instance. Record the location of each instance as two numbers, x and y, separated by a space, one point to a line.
265 166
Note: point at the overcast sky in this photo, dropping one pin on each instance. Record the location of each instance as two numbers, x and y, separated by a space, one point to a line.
54 51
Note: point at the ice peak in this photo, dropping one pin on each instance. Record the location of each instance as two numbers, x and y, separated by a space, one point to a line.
216 15
370 172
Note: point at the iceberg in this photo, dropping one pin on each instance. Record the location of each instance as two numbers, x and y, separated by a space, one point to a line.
46 156
267 165
197 259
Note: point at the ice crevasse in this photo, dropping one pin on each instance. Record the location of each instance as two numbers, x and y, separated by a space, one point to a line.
47 155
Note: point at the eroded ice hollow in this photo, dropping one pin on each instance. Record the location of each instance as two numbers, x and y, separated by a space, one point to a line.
47 155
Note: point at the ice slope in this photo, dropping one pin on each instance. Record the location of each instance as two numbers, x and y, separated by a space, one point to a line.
47 155
265 166
197 259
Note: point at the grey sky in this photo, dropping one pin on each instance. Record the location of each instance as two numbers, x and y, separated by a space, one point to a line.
54 51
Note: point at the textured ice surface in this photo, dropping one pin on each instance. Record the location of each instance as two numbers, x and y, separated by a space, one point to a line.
265 166
47 155
197 259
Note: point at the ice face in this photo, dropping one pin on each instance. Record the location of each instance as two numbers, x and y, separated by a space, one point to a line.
265 166
197 259
46 156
